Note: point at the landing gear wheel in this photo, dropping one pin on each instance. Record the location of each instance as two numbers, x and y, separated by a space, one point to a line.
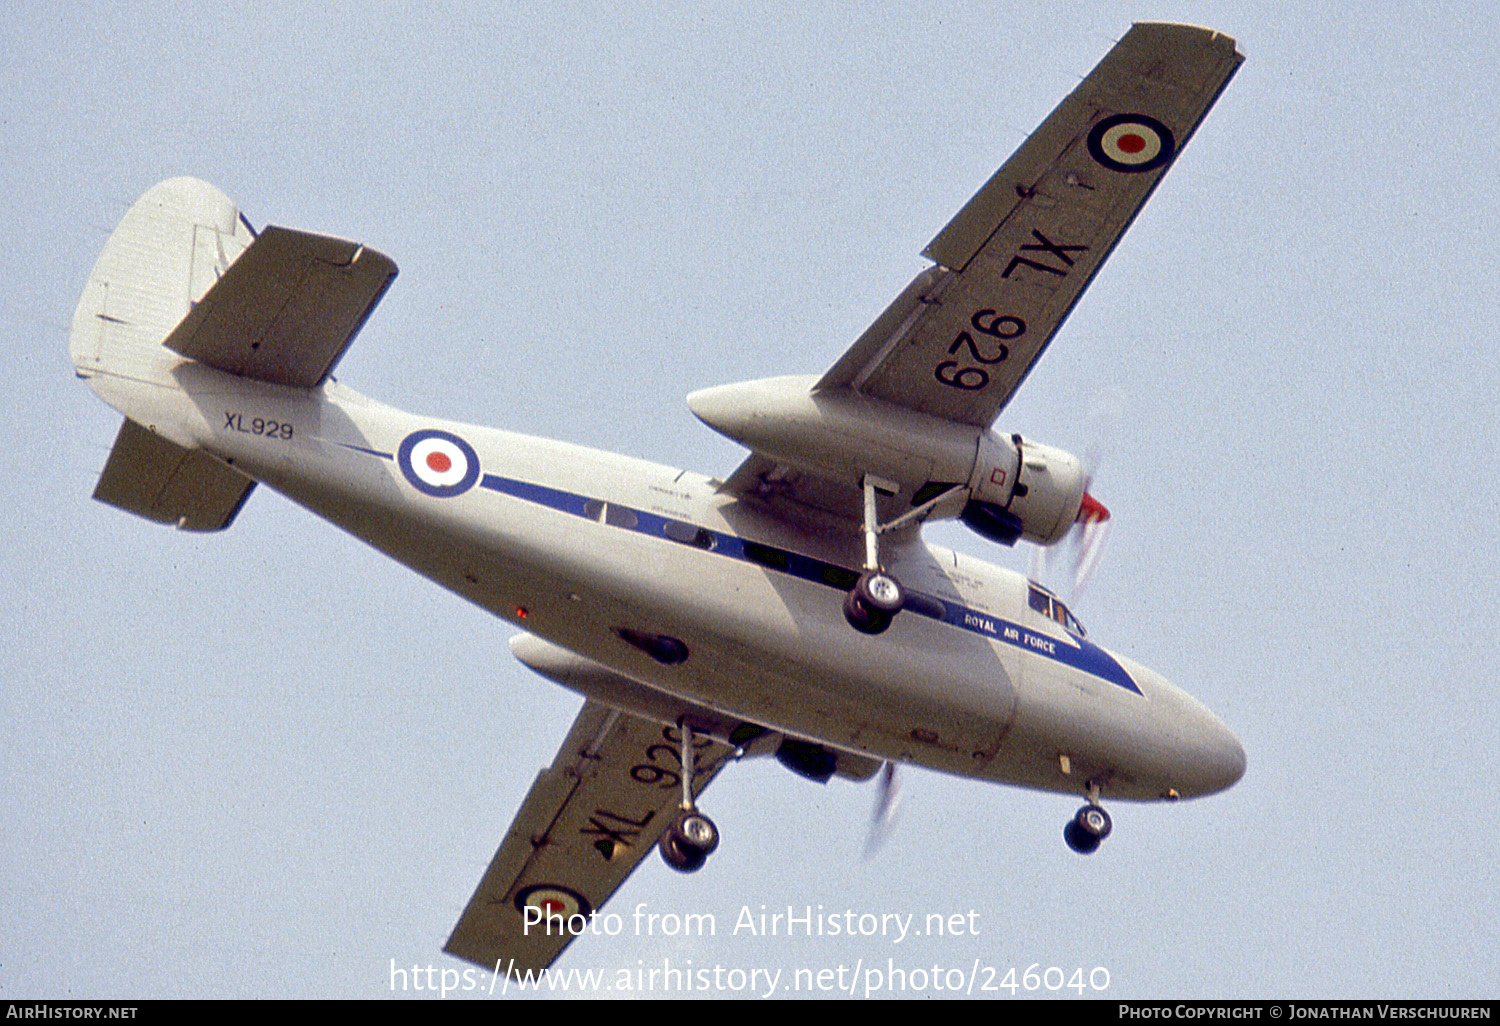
1087 829
682 859
879 591
694 830
691 837
1093 820
1078 839
876 596
862 618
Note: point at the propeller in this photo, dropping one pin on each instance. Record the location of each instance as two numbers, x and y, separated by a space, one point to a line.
1085 543
1037 567
887 805
1086 540
1090 530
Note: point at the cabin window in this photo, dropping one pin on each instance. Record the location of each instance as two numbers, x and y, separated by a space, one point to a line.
620 516
776 559
839 577
688 534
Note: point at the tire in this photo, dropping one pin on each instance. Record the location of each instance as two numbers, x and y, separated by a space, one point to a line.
693 830
684 860
1080 840
862 618
880 592
1094 821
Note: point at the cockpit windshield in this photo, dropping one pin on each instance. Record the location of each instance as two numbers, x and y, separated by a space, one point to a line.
1052 608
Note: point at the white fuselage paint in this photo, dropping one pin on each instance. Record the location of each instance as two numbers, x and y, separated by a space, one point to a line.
766 647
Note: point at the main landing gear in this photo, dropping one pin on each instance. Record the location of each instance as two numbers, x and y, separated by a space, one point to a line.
874 601
1088 829
692 837
876 597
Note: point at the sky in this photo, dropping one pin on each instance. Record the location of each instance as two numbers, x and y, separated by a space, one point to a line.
272 763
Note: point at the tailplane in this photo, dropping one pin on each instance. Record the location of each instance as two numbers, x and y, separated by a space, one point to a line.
186 279
161 481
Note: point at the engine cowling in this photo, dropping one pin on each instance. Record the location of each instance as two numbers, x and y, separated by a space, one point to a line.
1016 488
1023 489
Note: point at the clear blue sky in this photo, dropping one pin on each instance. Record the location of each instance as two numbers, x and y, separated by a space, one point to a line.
269 762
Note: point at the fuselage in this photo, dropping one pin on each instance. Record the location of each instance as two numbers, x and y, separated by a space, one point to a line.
589 549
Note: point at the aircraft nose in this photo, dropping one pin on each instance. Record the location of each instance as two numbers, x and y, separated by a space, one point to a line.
1212 759
1222 762
1205 756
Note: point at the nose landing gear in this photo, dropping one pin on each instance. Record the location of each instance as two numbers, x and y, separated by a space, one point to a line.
1090 826
692 837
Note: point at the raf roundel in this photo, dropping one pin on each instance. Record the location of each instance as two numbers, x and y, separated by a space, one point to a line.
1131 143
438 463
553 900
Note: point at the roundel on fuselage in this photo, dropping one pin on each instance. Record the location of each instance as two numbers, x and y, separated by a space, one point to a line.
438 463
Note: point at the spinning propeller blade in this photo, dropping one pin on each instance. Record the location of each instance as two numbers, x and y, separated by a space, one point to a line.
887 805
1091 526
1089 533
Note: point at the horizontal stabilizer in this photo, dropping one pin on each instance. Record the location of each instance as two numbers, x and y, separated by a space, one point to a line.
160 480
286 310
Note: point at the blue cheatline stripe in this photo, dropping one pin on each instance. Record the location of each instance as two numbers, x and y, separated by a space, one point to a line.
372 452
1079 653
552 498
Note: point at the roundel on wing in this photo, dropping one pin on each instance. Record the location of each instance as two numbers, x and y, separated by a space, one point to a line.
438 463
553 900
1131 143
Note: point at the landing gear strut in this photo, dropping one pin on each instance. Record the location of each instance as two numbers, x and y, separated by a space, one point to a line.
1090 826
877 596
692 836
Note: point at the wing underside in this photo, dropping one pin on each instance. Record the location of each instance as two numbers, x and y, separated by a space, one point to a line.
1009 267
1012 263
588 821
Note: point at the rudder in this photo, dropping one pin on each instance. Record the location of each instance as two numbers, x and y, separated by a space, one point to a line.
170 247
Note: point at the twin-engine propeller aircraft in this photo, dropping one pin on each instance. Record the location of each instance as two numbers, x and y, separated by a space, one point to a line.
790 609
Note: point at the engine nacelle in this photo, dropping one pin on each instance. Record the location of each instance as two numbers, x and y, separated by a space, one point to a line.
818 763
1023 489
1017 488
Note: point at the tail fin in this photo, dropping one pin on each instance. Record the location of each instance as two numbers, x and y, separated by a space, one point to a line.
184 275
172 245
